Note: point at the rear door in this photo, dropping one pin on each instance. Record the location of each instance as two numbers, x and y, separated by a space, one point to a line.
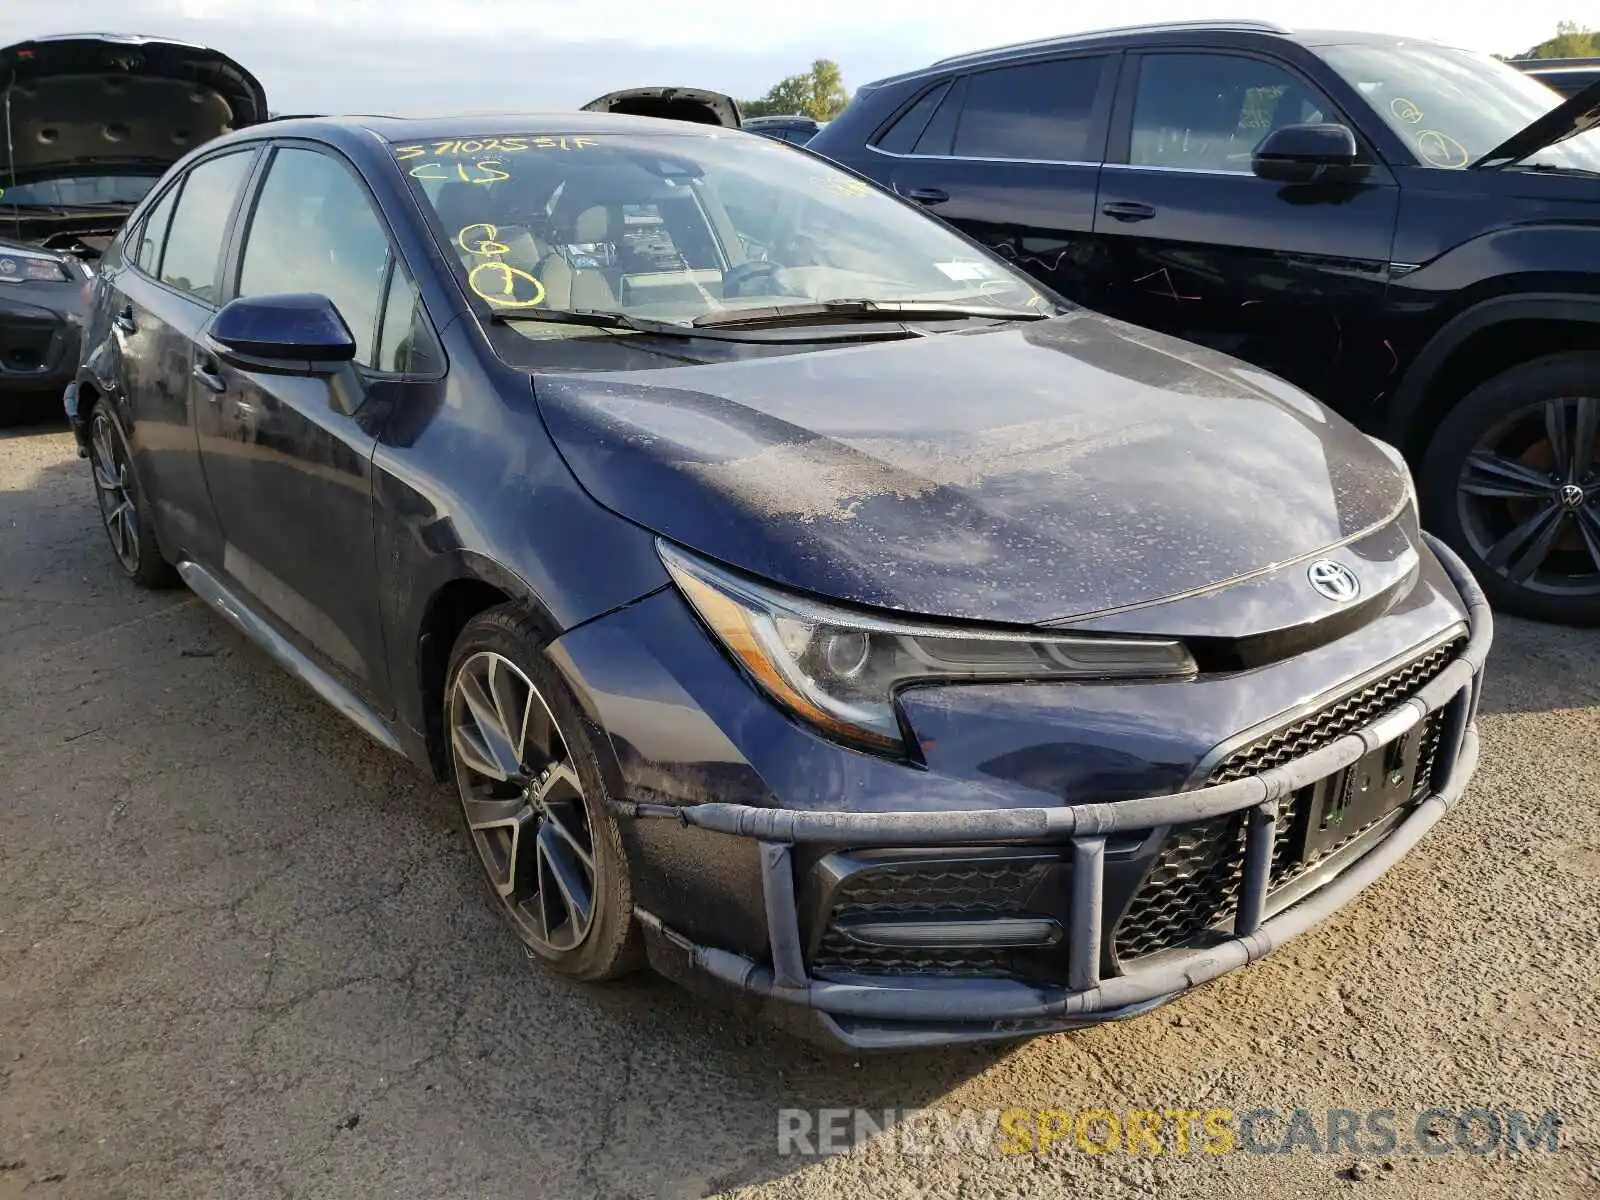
1190 242
1010 156
288 458
163 293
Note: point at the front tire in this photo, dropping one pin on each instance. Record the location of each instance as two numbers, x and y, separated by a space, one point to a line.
534 800
123 510
1511 480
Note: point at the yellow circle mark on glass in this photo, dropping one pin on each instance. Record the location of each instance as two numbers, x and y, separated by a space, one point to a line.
506 296
843 187
1405 110
1441 150
486 244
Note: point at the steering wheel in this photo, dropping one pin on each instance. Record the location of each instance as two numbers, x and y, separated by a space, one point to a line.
733 281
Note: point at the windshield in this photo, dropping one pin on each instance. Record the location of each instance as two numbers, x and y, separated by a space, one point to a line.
679 228
81 190
1451 106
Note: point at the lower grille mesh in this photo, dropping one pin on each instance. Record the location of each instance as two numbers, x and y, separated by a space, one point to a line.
964 890
1195 881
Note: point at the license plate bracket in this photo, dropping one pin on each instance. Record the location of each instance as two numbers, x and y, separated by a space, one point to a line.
1348 801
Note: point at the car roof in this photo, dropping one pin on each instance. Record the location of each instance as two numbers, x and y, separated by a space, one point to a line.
1125 35
422 129
784 119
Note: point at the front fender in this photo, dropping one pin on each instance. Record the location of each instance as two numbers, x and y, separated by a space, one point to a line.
1412 392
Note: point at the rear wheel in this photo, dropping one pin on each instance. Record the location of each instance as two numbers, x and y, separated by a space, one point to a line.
533 800
1512 481
123 510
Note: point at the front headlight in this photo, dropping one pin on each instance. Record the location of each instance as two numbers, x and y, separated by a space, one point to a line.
839 670
27 266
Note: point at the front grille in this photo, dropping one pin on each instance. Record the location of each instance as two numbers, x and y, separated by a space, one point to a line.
965 890
1194 884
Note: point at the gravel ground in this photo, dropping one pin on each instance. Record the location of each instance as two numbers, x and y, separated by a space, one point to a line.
243 954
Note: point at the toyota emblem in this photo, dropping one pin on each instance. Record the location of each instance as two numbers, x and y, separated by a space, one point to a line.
1334 580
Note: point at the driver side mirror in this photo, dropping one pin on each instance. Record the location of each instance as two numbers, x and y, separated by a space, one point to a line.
292 333
1305 154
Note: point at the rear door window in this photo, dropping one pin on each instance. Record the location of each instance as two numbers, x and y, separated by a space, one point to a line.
200 223
902 134
1043 111
152 233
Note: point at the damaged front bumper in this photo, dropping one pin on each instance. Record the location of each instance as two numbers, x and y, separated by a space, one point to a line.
863 1010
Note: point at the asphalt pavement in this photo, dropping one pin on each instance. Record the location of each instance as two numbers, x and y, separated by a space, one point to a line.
244 953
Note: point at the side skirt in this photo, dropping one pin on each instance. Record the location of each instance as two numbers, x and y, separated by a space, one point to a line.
210 589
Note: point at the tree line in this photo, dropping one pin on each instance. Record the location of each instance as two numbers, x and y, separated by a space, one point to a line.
1571 41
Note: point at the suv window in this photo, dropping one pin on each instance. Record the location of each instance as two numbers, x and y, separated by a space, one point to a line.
314 230
147 248
194 242
902 135
1039 111
1209 111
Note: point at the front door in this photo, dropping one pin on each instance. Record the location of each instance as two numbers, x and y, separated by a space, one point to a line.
288 458
1290 278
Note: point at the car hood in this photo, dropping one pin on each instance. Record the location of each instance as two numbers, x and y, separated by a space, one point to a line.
672 103
1577 114
111 102
1027 474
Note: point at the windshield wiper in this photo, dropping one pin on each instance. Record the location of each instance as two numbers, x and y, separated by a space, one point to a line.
895 310
594 317
1556 169
739 331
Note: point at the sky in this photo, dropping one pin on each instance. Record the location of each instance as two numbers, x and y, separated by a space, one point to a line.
418 56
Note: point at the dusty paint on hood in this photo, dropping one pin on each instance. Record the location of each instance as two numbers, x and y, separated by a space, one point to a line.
1020 475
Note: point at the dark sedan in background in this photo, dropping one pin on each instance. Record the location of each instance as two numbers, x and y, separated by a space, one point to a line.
795 593
796 129
92 122
1568 76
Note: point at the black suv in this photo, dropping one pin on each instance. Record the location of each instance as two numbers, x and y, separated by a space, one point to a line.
1411 232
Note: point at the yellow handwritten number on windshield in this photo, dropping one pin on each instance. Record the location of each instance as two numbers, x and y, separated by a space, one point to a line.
1441 150
1405 110
506 296
485 245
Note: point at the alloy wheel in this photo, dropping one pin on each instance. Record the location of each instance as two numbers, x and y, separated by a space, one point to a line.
1529 497
523 802
112 492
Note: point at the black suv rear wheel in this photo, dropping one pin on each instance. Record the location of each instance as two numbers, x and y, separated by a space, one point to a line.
1512 481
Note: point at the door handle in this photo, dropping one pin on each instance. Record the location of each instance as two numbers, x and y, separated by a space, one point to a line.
929 195
124 320
206 373
1127 210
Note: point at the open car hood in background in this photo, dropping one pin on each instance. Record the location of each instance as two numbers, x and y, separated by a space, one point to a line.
1577 114
105 102
672 103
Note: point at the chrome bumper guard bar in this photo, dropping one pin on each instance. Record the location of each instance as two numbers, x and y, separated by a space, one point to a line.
1087 997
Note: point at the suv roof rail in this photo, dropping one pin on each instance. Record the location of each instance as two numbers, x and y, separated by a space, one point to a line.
1244 25
1554 62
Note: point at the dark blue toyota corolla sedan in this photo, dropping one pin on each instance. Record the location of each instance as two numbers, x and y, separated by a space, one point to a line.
795 594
